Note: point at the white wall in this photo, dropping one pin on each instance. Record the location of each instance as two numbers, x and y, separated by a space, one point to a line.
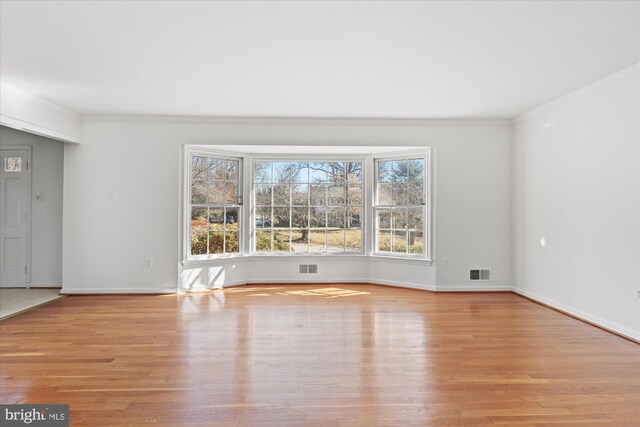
46 215
24 111
106 242
577 186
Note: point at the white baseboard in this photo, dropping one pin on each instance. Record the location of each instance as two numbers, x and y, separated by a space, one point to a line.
614 327
45 285
399 284
474 288
303 280
89 291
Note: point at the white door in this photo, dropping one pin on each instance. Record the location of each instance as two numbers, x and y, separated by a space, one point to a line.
15 212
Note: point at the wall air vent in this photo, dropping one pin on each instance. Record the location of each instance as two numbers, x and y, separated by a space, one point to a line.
308 268
479 275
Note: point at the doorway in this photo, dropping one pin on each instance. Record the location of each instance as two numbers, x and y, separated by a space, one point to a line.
15 216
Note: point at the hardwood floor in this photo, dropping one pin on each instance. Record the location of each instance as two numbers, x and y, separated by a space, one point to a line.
325 355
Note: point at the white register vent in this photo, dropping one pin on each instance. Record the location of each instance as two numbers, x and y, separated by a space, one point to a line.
308 268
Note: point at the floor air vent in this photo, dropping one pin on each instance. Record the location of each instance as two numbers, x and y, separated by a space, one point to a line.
308 268
479 275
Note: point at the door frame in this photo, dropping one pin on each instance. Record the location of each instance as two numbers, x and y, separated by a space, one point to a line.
28 149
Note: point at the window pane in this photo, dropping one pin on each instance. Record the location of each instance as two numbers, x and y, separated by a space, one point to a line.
216 218
335 218
385 171
353 171
318 195
335 241
353 239
300 195
263 195
399 241
282 172
263 240
231 241
354 195
317 241
414 193
354 218
232 218
263 217
384 241
199 219
416 242
399 193
216 242
400 171
416 170
299 240
399 219
281 218
383 218
199 167
317 172
281 196
335 172
216 193
384 194
215 182
318 217
300 172
231 193
415 219
399 184
335 195
299 217
13 164
217 169
231 170
199 243
263 172
199 192
281 241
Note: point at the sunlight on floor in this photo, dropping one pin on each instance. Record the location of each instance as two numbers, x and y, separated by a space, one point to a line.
321 292
261 291
242 289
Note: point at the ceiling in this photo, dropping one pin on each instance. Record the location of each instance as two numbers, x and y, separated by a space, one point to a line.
313 59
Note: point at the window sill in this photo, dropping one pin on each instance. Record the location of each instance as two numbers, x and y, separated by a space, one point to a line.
309 255
408 259
207 261
283 256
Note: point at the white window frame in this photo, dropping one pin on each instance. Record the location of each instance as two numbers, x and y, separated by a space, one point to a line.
309 158
189 153
246 178
427 203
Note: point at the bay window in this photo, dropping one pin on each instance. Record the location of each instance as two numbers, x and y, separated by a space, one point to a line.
306 205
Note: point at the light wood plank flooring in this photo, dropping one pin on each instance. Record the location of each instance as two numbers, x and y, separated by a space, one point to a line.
318 355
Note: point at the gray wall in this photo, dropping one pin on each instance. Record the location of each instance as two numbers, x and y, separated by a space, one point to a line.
106 242
577 203
46 215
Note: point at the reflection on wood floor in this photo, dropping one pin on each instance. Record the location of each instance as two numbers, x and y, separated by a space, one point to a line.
318 355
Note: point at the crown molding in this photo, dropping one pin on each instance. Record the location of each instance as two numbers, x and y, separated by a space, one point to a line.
296 121
577 93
